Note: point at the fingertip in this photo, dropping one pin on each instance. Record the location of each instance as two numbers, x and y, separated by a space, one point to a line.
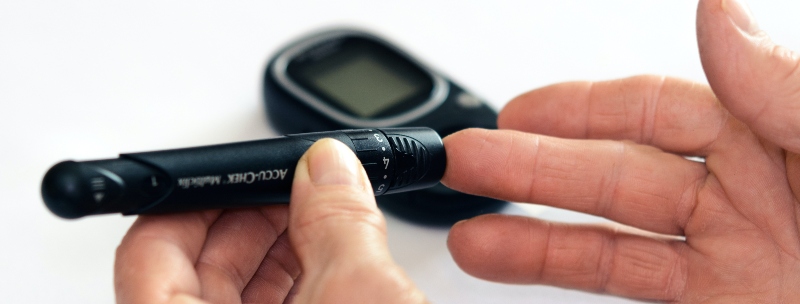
327 170
456 235
460 149
330 162
455 144
483 246
477 233
465 243
327 163
463 134
518 110
557 109
740 15
757 80
508 116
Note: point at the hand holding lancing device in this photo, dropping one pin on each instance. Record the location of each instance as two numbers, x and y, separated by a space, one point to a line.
613 149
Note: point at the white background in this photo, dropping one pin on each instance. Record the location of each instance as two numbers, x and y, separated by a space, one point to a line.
89 79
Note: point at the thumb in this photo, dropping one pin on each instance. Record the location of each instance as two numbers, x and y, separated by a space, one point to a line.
756 80
338 233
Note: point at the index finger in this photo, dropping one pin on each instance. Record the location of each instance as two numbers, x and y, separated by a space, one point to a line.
632 184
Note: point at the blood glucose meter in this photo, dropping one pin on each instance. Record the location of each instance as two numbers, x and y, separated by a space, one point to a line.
349 78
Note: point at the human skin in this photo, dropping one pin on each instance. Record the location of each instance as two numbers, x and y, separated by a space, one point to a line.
613 149
725 230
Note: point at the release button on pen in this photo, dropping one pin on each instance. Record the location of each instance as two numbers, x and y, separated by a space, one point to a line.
103 189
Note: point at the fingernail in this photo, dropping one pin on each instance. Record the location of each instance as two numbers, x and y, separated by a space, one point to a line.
332 163
740 15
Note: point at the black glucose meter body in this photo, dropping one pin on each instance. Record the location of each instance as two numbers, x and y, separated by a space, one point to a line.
348 78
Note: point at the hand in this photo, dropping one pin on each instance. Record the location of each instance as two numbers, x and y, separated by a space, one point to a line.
332 238
721 231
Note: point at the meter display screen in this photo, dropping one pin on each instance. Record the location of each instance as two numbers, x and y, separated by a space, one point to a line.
362 78
364 86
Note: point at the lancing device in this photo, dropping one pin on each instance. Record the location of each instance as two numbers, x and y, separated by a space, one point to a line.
243 174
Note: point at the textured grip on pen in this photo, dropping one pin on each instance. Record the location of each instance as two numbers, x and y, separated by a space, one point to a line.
420 158
412 160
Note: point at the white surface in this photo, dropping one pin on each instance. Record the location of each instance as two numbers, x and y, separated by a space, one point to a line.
89 79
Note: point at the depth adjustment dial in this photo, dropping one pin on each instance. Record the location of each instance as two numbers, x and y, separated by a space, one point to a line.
374 151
